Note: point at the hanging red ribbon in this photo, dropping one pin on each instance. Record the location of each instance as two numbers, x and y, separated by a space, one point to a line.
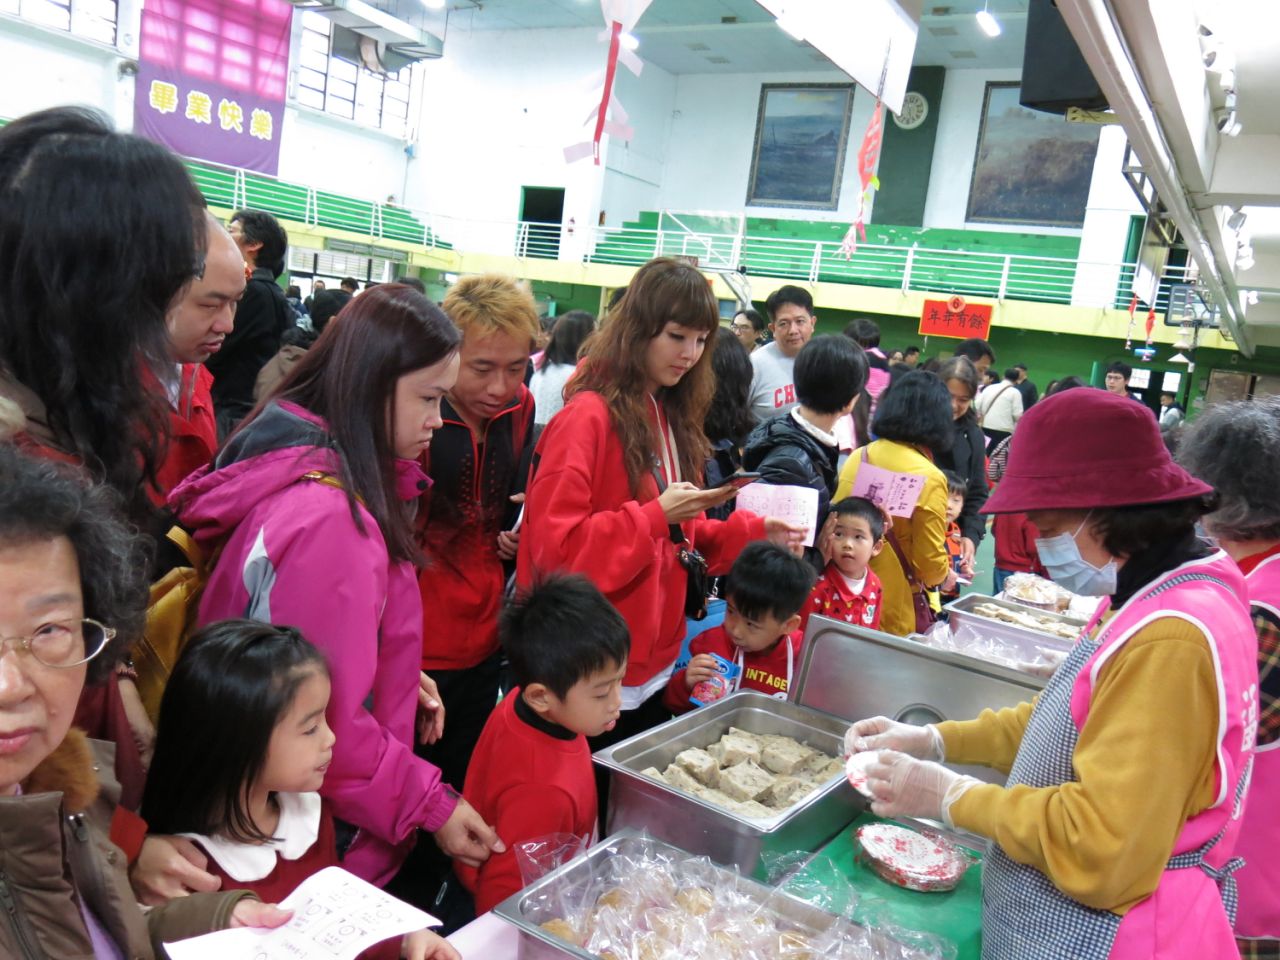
1151 322
610 71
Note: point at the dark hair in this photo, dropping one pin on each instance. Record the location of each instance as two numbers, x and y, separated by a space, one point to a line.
1020 366
730 416
758 322
767 580
317 282
829 372
911 349
326 305
797 296
955 483
1235 448
663 291
1125 531
1011 374
349 378
990 376
616 297
1066 383
864 332
975 348
414 282
560 631
261 227
41 500
293 291
962 369
99 232
231 687
567 337
1169 393
1122 368
864 508
916 409
351 282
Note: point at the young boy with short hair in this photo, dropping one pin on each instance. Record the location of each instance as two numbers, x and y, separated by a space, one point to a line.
849 589
764 592
531 771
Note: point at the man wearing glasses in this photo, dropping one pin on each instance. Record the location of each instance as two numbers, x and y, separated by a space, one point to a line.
748 326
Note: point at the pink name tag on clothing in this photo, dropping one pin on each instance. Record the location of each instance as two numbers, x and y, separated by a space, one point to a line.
898 493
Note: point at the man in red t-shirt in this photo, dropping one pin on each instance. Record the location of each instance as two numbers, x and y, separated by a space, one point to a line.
765 592
530 774
198 321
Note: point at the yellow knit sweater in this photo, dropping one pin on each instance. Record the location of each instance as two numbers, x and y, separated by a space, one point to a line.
1144 762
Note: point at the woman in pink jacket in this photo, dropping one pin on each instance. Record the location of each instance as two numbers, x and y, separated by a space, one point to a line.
310 505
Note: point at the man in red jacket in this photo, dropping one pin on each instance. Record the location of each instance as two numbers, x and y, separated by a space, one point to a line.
477 463
199 320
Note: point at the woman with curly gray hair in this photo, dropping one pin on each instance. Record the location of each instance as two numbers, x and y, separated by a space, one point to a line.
73 594
1235 447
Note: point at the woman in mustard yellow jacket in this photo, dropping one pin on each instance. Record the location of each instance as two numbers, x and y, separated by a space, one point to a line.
912 422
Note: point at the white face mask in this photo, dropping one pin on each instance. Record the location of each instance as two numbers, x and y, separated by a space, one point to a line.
1061 557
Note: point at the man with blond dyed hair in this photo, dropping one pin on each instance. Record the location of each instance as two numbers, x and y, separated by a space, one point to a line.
477 462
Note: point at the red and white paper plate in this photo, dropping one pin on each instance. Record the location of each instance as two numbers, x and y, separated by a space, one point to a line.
912 860
855 769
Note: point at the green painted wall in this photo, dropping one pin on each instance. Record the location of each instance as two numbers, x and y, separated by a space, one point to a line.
906 157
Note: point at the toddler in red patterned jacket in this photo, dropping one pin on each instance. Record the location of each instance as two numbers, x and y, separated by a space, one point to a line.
849 590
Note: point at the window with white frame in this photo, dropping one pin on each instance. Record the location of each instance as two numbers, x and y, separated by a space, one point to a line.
346 89
91 19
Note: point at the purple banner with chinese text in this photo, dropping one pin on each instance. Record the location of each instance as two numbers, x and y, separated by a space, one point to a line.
212 76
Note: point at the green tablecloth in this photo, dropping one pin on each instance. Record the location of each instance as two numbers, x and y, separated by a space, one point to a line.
956 915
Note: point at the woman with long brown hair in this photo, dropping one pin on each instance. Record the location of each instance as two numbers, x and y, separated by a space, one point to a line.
616 472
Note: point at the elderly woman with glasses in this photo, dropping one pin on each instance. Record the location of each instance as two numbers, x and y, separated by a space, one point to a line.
72 598
1115 836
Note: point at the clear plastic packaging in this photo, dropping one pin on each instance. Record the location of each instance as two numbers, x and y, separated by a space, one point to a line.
649 902
1036 657
1035 591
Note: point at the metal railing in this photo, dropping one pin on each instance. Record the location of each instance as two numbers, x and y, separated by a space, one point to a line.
998 276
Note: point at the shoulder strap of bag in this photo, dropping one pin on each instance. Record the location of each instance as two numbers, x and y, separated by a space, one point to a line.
998 393
907 570
673 529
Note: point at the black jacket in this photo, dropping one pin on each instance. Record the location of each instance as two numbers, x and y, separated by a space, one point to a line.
968 458
262 317
785 455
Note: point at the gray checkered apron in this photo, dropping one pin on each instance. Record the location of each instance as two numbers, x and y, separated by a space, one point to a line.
1024 916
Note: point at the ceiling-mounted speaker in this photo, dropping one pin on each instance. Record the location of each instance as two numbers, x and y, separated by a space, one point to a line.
1055 76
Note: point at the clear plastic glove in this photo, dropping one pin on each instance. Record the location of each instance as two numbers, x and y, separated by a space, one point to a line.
903 786
1045 665
881 733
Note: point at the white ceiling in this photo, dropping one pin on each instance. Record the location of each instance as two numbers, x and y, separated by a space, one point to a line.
739 36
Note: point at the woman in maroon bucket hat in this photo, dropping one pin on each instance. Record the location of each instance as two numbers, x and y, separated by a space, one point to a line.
1114 835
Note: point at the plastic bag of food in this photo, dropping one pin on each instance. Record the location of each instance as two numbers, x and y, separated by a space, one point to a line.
814 880
539 856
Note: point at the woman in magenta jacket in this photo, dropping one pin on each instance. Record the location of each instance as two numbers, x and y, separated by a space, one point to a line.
310 503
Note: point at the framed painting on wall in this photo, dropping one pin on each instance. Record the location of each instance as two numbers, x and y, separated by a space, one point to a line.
1031 167
801 133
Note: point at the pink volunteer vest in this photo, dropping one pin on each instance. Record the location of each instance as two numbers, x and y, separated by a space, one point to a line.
1185 918
1259 880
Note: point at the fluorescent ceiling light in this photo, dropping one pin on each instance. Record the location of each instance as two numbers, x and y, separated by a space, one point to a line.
629 40
989 24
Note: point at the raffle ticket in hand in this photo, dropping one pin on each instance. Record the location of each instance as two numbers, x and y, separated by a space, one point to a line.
337 916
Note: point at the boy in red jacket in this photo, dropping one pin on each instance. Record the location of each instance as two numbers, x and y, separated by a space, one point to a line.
764 593
531 775
849 589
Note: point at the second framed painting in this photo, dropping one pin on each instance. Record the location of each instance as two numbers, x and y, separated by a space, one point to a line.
1031 167
801 134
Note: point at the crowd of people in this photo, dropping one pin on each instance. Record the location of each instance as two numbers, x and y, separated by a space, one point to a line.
446 551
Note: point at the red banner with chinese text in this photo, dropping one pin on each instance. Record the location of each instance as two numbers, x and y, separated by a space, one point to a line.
937 319
212 77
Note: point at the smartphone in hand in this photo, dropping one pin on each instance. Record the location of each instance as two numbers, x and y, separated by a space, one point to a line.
741 479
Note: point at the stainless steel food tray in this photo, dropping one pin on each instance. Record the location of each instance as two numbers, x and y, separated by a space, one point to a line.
540 901
638 801
960 613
